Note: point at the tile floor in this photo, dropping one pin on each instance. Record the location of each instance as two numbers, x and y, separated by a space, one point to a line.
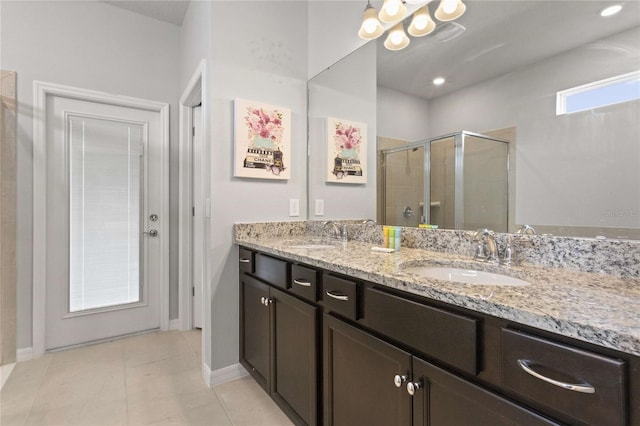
150 379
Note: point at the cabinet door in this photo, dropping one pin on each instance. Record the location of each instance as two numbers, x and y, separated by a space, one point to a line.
254 329
443 399
359 372
295 358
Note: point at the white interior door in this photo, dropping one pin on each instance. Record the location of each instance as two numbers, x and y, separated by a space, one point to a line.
104 192
197 218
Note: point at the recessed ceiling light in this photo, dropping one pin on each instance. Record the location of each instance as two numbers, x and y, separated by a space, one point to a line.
438 81
611 10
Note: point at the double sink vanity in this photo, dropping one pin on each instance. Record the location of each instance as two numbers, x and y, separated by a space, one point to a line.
340 334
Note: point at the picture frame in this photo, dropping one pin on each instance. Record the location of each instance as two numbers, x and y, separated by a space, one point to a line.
346 151
262 141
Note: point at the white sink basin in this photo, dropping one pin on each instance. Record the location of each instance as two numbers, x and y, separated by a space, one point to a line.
465 276
311 245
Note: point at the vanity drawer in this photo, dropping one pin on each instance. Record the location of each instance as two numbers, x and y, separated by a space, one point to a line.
447 336
541 371
340 296
245 260
271 270
304 282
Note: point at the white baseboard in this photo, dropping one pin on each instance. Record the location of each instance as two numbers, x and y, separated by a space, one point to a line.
174 324
24 354
223 375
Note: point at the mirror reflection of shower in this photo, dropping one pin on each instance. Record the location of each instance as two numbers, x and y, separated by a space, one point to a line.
462 178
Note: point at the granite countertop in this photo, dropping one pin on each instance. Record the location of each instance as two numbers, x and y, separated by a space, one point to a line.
592 307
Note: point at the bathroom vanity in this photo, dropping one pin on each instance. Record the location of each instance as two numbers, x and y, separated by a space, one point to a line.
339 334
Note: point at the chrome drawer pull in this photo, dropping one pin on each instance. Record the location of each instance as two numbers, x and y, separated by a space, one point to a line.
582 387
301 282
338 296
243 260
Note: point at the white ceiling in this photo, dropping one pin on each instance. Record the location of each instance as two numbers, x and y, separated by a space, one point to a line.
500 36
171 11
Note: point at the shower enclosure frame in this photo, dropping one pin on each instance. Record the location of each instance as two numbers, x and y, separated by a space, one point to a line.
459 144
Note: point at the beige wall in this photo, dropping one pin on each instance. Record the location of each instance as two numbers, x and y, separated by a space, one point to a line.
7 217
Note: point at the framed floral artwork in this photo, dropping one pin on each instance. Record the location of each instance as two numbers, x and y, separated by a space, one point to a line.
262 138
346 151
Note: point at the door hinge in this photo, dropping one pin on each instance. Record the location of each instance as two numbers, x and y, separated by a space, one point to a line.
193 291
193 211
193 131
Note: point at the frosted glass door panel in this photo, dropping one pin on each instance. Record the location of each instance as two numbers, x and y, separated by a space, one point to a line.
486 188
442 183
404 187
105 186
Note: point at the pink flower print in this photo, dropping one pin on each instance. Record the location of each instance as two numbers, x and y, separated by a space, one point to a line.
347 137
267 125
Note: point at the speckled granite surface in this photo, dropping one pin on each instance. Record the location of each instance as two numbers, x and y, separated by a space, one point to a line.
591 306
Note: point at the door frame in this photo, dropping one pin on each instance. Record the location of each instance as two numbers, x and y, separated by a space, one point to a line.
41 90
194 94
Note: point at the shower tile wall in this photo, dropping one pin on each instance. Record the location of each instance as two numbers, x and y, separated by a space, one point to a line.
8 107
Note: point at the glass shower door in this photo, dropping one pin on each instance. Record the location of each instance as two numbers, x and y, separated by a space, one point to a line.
404 186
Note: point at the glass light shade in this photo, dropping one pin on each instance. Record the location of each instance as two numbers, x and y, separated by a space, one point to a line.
392 11
421 24
371 27
397 39
448 10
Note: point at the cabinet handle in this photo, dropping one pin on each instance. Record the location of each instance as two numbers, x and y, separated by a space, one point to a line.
266 301
412 387
577 387
398 380
244 260
303 283
337 296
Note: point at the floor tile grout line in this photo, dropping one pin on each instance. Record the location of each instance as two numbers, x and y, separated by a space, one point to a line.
224 406
40 385
124 378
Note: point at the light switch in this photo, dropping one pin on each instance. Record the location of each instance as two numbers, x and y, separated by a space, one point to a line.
294 207
319 208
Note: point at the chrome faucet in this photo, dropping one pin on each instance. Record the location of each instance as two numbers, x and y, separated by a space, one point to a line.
332 228
513 250
486 247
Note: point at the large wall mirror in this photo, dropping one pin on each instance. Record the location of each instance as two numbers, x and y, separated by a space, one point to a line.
504 63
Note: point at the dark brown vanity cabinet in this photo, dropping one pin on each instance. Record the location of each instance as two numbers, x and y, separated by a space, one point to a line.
359 372
279 345
255 329
369 381
335 350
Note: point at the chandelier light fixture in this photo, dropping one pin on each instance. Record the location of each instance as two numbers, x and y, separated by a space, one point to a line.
394 12
396 39
421 23
448 10
371 27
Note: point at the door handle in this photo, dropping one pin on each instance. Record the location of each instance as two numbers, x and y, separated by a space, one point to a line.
151 233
